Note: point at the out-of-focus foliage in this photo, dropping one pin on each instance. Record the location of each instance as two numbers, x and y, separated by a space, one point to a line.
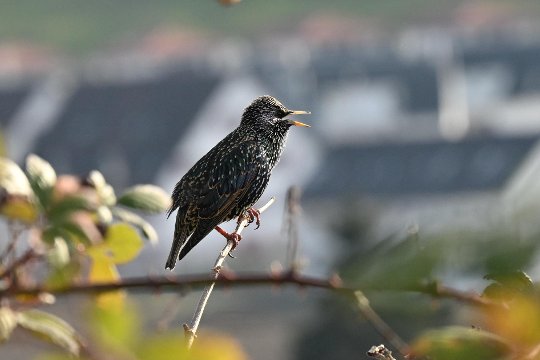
456 343
509 323
116 333
76 231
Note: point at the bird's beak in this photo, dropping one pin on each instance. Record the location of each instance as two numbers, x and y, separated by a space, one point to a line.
298 112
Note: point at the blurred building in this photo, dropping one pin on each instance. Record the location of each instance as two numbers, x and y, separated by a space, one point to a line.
433 118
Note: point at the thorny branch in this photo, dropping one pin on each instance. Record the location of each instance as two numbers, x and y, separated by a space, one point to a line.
190 330
225 278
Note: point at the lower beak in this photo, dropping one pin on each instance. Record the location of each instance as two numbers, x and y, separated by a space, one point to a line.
298 123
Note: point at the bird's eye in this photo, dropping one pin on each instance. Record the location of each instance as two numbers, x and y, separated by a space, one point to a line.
282 113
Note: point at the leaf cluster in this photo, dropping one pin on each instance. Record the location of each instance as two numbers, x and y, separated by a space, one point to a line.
76 230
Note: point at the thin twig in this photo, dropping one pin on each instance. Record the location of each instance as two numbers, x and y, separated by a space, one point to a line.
379 324
190 330
29 255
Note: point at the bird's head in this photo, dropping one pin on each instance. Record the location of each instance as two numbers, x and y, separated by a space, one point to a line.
267 110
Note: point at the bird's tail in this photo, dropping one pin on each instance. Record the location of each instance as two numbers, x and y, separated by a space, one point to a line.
181 233
203 228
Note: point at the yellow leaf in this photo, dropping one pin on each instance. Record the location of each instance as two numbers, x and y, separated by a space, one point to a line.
206 346
19 208
216 347
103 270
519 323
121 244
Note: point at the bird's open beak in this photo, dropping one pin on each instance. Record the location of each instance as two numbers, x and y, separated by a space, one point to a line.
298 112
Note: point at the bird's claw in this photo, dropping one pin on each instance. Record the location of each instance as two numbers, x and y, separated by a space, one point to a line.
254 215
235 238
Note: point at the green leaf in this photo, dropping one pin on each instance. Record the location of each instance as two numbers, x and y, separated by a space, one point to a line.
115 327
457 343
54 356
160 347
42 178
64 208
8 322
120 245
148 230
69 231
75 232
104 214
13 180
104 191
64 275
52 328
507 285
148 198
58 253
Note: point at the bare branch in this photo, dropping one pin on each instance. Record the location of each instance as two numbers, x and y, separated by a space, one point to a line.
173 283
18 263
381 326
190 330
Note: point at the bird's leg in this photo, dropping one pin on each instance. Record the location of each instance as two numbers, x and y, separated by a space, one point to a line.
234 237
252 214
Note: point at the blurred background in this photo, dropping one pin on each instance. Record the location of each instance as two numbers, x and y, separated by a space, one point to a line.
425 121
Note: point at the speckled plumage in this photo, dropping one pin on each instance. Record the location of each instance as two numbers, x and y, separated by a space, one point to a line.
231 177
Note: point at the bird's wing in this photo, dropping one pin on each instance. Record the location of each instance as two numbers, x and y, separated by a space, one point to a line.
230 177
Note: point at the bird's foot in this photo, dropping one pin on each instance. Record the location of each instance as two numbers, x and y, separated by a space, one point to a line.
252 215
234 237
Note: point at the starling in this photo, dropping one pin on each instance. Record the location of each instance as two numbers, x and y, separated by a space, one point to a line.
226 182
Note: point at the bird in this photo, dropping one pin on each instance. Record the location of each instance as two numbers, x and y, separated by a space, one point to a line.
226 182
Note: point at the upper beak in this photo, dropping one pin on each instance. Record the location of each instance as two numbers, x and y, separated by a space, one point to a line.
298 112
